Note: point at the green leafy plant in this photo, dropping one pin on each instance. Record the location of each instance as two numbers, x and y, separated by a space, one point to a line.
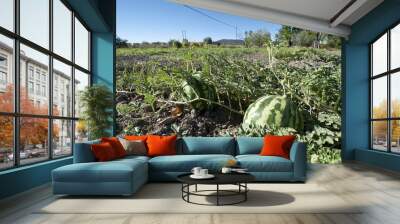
97 104
322 145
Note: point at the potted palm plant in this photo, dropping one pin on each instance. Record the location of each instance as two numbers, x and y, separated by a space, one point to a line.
96 102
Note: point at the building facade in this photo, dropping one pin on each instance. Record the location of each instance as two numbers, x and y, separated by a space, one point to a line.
34 81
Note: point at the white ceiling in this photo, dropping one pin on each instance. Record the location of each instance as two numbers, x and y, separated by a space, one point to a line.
321 9
316 15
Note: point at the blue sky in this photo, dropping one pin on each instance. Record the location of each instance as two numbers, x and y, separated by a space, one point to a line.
160 20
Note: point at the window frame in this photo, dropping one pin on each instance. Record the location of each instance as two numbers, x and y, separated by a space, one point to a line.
388 74
16 114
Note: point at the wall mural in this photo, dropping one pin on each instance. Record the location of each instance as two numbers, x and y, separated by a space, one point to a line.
247 87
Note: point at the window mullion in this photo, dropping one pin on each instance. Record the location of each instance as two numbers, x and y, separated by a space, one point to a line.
371 142
73 82
50 81
16 69
389 104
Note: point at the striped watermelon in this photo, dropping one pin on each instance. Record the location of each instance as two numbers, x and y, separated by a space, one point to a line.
273 111
194 87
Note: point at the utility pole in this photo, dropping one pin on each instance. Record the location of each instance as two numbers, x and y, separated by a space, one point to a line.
183 35
236 32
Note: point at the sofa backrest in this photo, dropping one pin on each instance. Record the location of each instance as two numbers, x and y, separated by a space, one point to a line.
206 145
190 146
83 152
249 145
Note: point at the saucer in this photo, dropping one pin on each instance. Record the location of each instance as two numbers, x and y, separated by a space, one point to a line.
208 176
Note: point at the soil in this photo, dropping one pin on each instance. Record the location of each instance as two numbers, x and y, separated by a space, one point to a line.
165 118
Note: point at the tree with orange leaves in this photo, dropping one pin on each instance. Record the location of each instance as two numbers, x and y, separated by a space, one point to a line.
33 131
380 127
6 122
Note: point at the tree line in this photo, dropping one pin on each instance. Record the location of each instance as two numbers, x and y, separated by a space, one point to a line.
286 37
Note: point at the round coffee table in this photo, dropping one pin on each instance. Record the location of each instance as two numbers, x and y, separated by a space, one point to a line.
238 179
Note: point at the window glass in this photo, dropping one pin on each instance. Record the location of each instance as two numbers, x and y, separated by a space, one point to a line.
62 89
62 29
395 47
6 74
395 138
34 21
39 62
30 87
81 82
395 95
379 56
33 140
81 45
379 98
7 14
6 142
62 138
37 91
379 135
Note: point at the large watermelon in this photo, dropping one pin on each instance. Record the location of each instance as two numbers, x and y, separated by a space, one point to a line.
194 87
276 111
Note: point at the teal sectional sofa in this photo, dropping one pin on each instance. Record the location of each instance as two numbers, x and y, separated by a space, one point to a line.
125 176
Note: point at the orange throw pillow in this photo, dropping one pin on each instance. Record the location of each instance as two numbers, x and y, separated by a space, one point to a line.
277 145
136 138
161 145
103 152
116 145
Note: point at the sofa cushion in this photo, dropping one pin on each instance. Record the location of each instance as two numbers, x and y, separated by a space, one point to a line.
113 171
103 152
161 145
185 163
134 147
116 145
206 145
133 157
277 145
257 163
249 145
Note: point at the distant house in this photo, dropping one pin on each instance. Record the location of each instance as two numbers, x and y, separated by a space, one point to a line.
229 42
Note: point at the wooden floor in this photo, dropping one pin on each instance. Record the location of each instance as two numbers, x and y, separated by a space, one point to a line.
378 189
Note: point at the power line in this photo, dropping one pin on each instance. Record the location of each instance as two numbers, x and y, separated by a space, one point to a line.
210 17
215 19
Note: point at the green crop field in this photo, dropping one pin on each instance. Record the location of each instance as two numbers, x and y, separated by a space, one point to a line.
206 91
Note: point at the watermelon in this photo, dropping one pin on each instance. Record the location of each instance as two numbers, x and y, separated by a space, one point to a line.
194 87
273 111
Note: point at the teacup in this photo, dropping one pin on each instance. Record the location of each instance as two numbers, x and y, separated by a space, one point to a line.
203 172
226 170
196 171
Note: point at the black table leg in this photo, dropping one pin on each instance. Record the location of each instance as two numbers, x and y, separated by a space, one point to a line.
182 189
220 193
217 194
188 190
245 193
